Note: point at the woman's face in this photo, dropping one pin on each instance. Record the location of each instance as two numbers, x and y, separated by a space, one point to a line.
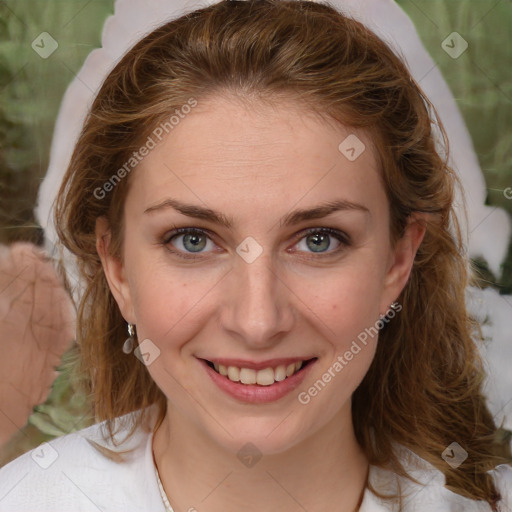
292 263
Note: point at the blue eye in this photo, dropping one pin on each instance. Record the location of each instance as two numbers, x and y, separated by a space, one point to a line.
193 240
318 240
189 242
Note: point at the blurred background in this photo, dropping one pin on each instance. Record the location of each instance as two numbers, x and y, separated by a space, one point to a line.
31 89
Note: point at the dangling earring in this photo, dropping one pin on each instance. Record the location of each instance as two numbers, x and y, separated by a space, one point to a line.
130 341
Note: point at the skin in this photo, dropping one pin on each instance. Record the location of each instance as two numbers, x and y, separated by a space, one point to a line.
256 163
37 325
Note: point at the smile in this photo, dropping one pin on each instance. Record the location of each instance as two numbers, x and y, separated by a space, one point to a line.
264 377
263 383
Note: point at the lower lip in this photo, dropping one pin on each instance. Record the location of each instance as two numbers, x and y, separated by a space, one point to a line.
254 393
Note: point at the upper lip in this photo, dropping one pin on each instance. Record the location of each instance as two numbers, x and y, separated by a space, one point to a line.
258 365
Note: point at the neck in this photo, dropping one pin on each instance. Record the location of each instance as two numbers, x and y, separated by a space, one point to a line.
200 475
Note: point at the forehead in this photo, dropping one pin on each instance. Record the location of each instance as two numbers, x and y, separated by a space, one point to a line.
256 153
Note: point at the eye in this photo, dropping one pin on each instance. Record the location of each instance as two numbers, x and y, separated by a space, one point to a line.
319 240
188 241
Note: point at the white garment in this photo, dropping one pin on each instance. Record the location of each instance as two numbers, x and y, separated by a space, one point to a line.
70 475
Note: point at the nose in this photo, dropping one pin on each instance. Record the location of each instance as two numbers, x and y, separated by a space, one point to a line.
257 306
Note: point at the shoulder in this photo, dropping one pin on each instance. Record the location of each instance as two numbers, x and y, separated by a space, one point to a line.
83 472
503 477
429 493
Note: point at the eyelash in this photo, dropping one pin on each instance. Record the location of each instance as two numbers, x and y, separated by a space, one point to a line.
343 238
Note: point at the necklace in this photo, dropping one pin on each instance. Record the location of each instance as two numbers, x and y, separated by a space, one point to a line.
165 499
168 507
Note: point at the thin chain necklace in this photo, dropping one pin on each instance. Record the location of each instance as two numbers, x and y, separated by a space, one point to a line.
168 507
165 499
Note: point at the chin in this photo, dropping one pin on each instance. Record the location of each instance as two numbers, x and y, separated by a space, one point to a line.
261 435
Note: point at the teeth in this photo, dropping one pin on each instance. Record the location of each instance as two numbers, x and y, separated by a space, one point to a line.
265 377
247 376
290 369
233 373
280 373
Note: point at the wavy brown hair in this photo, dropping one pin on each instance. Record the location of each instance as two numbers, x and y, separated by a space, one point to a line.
424 387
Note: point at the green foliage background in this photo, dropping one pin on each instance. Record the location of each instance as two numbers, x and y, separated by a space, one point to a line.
31 89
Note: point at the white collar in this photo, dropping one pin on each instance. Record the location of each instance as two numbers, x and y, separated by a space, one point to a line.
428 495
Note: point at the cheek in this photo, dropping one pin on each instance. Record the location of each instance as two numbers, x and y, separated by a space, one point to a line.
169 302
349 307
169 306
346 300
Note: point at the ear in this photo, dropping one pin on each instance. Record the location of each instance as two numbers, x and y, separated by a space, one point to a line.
402 259
113 268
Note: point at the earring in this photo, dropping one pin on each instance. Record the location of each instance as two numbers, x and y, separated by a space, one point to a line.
395 306
130 341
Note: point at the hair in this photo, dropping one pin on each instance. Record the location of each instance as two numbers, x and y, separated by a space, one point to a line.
424 387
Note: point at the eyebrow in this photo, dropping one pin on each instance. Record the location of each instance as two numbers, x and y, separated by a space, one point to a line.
294 217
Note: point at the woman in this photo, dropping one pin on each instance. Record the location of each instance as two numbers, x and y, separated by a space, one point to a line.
256 198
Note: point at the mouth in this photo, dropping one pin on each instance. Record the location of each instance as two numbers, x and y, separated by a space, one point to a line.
263 377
